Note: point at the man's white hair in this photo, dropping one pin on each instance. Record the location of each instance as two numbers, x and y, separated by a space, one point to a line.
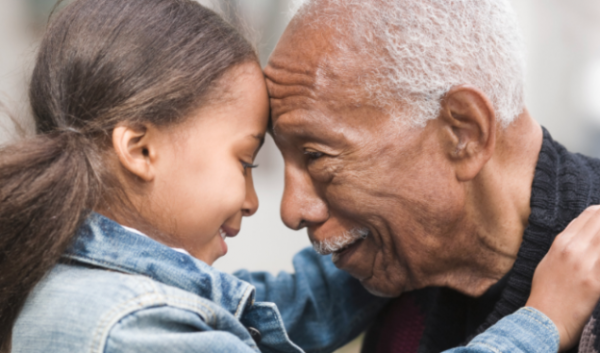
420 49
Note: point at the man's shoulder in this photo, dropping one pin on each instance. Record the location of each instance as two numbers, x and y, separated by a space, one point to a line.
567 163
562 158
579 176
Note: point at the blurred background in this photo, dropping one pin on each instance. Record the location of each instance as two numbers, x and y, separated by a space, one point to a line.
563 94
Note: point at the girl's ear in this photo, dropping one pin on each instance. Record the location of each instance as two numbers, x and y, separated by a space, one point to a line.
136 150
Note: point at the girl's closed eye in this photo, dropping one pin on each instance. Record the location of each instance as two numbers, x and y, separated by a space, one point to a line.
248 166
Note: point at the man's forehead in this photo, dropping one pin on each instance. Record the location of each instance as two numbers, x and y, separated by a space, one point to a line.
296 84
310 47
304 77
326 125
313 83
305 126
297 59
299 122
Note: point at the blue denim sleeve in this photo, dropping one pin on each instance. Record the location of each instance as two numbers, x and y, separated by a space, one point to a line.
167 329
526 331
322 307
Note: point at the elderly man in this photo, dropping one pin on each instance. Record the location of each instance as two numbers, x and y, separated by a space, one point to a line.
410 156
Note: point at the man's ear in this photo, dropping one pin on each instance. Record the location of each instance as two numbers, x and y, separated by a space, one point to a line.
135 149
469 130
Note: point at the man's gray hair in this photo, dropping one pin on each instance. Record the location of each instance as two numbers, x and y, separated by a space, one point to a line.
420 49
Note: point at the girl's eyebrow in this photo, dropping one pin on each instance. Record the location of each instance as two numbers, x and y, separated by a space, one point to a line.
260 138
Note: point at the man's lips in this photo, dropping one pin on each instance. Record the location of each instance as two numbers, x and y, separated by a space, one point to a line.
339 256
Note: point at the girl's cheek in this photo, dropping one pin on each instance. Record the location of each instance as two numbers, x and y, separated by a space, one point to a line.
237 188
232 195
236 200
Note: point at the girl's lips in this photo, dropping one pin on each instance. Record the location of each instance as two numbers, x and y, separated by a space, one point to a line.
228 231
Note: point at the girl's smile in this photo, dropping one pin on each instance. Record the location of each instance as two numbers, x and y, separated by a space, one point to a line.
225 232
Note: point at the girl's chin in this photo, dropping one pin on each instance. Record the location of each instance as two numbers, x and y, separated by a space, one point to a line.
218 249
224 247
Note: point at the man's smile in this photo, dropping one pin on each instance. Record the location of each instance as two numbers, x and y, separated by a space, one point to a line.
337 244
340 257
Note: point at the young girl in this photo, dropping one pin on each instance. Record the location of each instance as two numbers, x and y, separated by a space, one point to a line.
149 114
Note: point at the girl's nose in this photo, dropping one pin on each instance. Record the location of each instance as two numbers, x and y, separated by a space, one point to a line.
250 205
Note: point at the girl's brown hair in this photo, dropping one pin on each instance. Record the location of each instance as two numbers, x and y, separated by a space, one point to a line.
101 62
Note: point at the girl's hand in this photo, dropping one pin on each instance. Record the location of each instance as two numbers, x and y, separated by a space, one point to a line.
566 284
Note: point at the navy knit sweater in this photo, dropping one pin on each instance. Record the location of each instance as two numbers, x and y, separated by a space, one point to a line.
435 319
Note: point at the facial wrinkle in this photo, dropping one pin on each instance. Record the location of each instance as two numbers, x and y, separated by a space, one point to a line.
488 243
290 95
290 66
288 76
375 274
289 92
396 254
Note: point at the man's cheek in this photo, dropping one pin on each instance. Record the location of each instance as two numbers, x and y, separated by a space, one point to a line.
326 171
351 196
387 280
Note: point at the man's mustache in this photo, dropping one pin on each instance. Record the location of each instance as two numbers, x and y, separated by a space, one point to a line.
337 243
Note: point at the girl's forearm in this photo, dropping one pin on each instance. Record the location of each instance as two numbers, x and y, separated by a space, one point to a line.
526 331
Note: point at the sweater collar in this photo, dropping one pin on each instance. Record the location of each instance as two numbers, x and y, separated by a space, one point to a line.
100 242
561 190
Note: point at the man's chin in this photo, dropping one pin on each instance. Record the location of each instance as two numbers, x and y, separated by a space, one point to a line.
384 290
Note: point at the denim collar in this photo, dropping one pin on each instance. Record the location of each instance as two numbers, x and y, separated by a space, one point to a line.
100 242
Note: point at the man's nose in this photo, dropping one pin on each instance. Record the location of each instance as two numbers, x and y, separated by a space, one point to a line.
301 206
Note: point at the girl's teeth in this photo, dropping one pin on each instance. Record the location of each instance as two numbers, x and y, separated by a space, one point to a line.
222 233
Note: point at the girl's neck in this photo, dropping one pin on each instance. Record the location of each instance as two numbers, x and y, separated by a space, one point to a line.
133 230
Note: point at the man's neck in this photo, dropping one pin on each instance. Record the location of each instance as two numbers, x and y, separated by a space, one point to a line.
499 202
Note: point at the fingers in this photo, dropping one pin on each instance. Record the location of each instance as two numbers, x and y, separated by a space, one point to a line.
579 246
584 228
592 227
566 285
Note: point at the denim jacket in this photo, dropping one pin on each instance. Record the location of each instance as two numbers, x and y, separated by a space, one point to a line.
117 291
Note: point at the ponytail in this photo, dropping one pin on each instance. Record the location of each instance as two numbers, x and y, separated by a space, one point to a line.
47 189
